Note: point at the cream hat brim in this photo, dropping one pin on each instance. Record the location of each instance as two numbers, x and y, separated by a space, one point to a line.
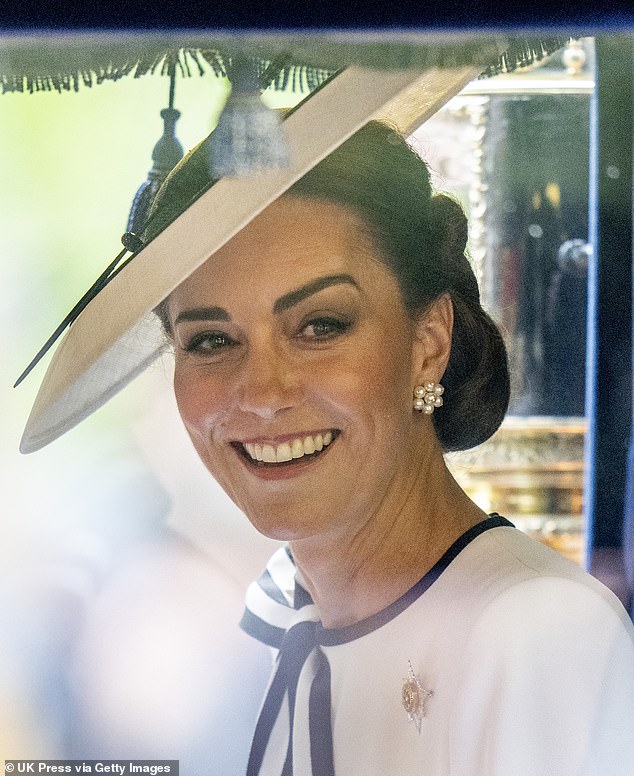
117 335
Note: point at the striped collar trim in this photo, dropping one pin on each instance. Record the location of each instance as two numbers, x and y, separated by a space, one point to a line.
275 598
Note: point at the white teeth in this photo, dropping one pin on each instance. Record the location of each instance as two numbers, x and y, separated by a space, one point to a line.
287 451
268 454
283 453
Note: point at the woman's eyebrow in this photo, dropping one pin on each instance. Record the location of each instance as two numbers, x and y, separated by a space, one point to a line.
283 303
294 297
203 314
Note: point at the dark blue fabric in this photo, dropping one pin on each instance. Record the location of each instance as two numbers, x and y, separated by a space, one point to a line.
265 581
320 722
261 630
302 597
298 643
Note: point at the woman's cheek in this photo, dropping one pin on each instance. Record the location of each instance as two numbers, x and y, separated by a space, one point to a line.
197 401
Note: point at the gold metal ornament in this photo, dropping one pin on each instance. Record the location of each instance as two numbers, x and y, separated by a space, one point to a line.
414 697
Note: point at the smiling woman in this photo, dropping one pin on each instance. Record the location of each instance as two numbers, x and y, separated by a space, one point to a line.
327 352
309 355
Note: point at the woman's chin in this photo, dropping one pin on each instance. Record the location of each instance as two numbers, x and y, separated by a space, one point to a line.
284 527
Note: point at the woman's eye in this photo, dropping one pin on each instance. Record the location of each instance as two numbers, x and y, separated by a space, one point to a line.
324 328
208 342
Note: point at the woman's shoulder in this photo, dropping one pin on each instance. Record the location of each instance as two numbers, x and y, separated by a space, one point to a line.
516 579
545 665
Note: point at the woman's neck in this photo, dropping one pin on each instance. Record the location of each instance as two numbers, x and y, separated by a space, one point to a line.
352 576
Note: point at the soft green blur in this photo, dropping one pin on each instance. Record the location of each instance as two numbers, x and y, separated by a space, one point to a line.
71 164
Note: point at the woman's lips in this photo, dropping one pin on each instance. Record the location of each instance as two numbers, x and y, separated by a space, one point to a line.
291 450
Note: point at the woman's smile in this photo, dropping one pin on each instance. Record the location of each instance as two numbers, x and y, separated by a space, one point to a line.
286 450
286 457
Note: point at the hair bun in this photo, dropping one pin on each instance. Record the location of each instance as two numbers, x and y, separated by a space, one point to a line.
446 212
451 232
477 383
476 380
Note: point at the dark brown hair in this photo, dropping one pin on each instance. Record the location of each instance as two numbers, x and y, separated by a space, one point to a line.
422 237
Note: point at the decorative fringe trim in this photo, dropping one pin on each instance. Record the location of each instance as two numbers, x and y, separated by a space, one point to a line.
524 52
278 73
278 61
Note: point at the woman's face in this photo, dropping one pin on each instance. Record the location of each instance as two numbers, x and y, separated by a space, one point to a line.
295 365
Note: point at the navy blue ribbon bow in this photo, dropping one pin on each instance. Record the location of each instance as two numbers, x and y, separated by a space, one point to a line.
299 642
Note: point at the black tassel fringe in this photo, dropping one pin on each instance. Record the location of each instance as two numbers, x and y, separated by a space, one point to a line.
20 72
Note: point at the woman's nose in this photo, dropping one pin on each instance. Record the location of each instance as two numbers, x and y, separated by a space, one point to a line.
269 383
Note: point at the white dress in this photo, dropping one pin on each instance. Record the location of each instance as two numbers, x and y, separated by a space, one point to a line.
504 660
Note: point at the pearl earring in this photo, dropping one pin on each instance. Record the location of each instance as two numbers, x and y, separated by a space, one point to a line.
427 397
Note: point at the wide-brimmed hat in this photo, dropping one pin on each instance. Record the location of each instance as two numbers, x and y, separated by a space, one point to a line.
116 335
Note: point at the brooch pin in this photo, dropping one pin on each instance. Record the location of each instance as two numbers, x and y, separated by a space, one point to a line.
414 697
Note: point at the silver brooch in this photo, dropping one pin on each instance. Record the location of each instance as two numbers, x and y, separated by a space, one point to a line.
414 697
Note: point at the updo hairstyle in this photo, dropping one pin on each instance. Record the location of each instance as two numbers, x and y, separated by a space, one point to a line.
422 237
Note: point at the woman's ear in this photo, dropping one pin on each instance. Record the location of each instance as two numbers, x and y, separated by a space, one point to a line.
432 341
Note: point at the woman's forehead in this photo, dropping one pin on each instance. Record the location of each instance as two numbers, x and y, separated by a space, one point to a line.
293 220
290 243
